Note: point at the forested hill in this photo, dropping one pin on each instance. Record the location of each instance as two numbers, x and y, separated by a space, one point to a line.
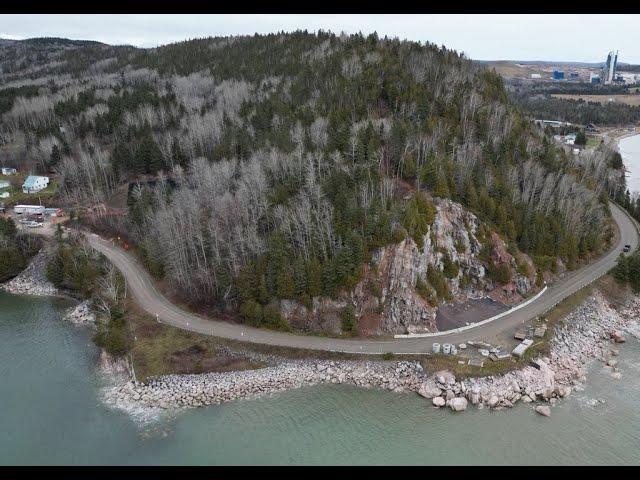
292 157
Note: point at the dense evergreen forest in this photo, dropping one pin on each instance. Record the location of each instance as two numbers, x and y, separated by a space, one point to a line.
282 161
15 249
535 100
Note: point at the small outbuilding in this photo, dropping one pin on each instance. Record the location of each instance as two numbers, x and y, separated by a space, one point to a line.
8 171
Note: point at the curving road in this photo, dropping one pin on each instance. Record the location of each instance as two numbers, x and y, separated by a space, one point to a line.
147 296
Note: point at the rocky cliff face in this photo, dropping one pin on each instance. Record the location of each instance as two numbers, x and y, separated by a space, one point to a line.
386 300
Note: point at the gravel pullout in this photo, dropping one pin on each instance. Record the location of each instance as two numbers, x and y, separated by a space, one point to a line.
585 335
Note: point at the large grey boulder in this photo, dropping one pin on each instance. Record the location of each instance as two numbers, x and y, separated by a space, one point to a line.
438 402
543 410
458 404
617 336
429 389
493 401
445 377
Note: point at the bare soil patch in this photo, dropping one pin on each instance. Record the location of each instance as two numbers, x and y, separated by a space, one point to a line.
456 315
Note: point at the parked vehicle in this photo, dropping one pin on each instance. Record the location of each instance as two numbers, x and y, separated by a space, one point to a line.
626 248
32 224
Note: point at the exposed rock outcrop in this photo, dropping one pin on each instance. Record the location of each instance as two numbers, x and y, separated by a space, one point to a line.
386 300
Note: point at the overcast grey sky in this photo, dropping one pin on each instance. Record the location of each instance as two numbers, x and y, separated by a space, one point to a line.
585 38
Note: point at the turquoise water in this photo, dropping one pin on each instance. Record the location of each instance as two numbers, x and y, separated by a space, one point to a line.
630 151
50 413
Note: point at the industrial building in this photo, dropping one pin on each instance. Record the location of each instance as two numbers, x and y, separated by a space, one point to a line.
609 71
594 78
558 75
628 78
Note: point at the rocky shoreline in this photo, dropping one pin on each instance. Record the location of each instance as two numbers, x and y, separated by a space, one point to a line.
32 280
82 315
588 333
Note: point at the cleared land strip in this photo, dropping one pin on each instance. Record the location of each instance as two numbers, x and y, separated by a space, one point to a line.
149 299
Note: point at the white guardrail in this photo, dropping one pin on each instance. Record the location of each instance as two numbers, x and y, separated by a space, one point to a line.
474 325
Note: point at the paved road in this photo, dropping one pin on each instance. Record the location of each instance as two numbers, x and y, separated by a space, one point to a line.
144 292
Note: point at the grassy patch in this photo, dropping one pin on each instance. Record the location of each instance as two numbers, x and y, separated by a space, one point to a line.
162 350
592 142
447 362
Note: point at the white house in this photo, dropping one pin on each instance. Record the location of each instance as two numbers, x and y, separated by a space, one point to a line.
4 184
34 184
8 171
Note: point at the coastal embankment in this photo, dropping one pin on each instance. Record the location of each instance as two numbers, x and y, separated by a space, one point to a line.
588 334
33 280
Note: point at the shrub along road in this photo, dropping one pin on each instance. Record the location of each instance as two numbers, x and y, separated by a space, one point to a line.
147 296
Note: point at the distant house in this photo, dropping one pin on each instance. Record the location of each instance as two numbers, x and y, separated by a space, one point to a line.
591 128
5 194
34 184
8 171
570 139
4 184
